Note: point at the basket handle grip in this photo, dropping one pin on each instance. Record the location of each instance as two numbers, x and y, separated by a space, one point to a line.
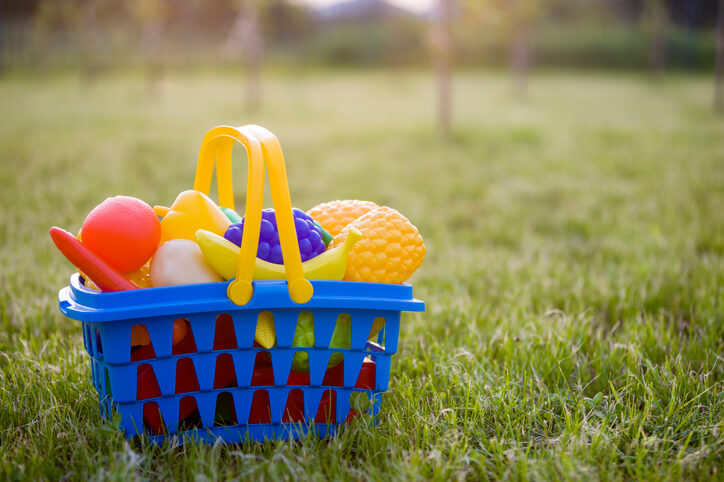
217 146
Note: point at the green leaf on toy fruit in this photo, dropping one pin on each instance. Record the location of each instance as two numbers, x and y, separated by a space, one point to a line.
304 337
326 237
232 215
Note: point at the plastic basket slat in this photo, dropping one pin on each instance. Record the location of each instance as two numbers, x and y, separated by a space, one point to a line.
117 346
243 366
160 330
122 390
312 398
361 327
352 364
206 403
277 402
324 323
245 327
343 405
131 416
203 327
318 361
205 365
383 372
285 324
282 364
165 371
391 332
169 408
242 404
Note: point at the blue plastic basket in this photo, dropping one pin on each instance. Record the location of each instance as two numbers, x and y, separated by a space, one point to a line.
107 320
121 378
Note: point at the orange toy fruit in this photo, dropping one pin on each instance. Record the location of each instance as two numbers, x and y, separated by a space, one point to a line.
391 248
141 277
123 231
335 215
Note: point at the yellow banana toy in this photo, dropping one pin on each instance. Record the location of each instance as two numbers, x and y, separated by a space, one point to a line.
223 256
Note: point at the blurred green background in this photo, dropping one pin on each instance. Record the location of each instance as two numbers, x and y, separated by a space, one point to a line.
104 34
561 159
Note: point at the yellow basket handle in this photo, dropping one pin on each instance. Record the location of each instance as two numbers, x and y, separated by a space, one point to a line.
262 148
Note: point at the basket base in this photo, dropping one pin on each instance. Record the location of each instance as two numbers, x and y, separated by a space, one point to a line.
250 433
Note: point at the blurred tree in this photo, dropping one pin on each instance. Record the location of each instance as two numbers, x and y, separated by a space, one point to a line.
151 15
90 40
51 21
442 50
719 76
656 21
522 15
518 19
245 37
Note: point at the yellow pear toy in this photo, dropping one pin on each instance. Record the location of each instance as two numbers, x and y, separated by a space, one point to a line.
192 210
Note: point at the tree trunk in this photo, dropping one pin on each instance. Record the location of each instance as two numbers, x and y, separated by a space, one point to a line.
520 56
719 79
245 36
151 37
90 67
442 45
657 54
521 22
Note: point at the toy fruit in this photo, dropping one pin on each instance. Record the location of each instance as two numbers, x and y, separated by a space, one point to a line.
341 338
123 231
180 262
326 237
102 274
335 215
232 215
309 236
390 251
304 337
190 211
223 256
139 335
141 277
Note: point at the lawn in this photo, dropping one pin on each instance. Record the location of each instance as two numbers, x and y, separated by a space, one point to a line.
574 277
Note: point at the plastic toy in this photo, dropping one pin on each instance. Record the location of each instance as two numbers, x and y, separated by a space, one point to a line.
326 237
390 251
335 215
341 338
102 274
156 380
190 211
304 337
180 262
123 231
309 236
141 277
265 333
232 215
139 335
223 256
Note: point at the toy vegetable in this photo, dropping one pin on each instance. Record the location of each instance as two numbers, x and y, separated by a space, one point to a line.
190 211
103 275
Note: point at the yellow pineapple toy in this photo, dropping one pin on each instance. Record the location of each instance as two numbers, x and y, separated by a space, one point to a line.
334 216
391 248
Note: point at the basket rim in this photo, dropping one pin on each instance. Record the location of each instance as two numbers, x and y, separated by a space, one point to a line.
82 304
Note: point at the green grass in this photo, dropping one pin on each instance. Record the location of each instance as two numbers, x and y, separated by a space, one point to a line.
574 279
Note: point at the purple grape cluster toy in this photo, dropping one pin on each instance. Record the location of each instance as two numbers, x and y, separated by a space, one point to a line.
309 236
